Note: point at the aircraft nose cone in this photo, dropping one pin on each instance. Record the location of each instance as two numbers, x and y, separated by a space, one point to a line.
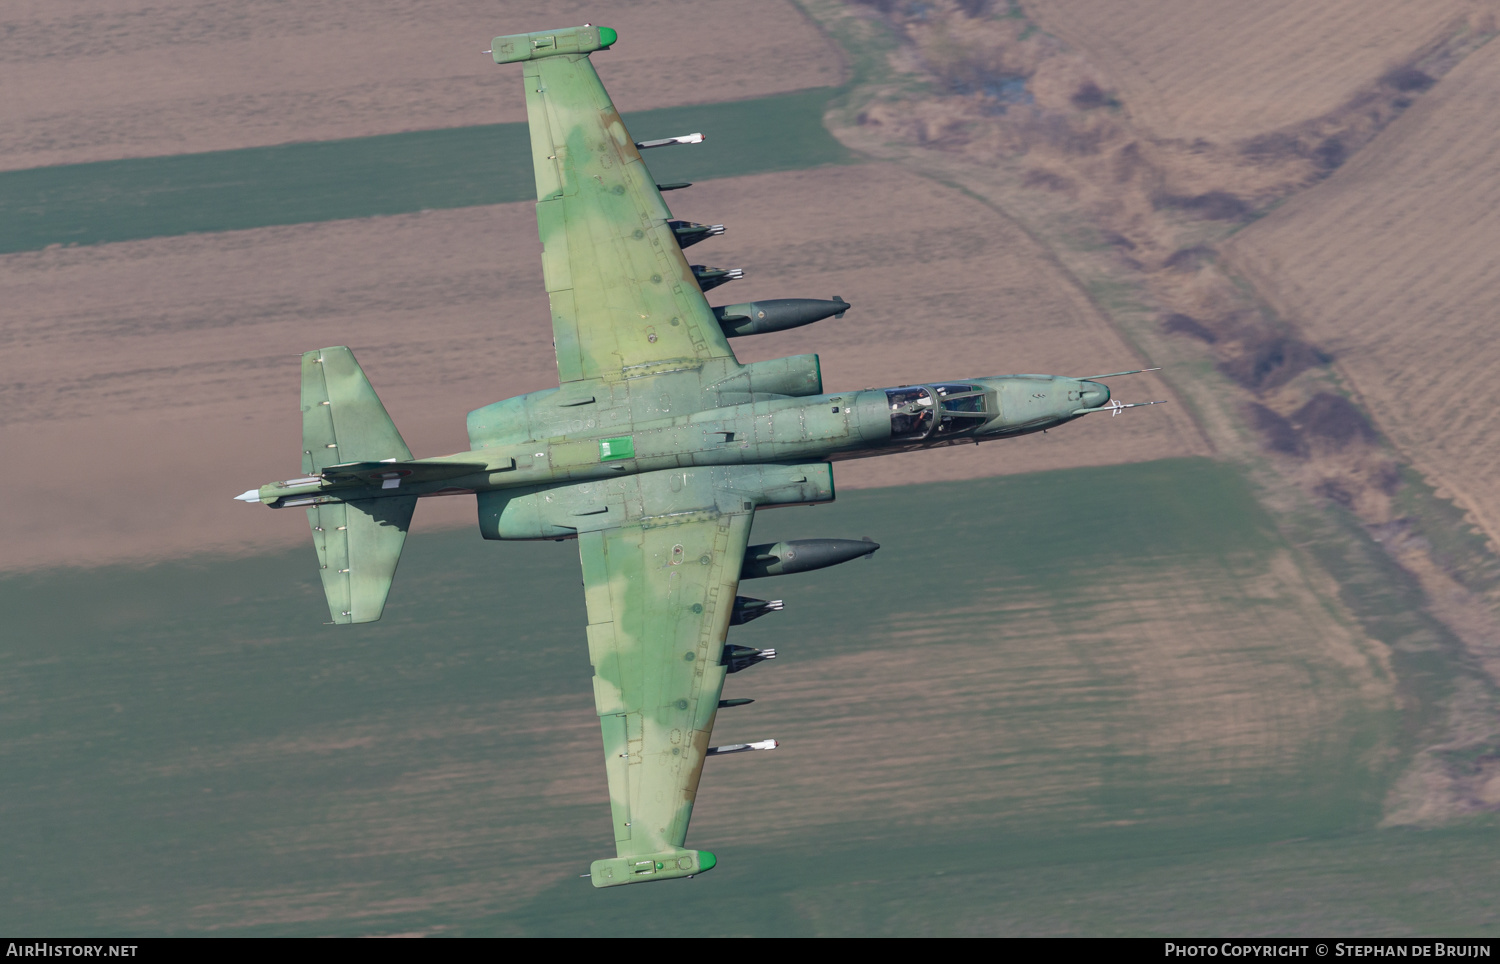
1094 394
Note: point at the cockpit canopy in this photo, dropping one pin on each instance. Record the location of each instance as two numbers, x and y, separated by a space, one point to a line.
922 411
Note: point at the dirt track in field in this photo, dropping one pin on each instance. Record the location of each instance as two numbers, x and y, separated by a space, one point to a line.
146 383
103 79
1248 68
1391 266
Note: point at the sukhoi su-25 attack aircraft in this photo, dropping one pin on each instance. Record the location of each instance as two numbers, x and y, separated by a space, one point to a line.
654 452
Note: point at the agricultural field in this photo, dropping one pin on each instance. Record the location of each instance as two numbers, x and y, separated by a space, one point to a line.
1246 69
1044 706
446 310
104 79
1390 266
1115 679
361 177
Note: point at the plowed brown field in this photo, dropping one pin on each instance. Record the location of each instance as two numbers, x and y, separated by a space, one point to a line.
145 383
1391 264
100 79
1186 69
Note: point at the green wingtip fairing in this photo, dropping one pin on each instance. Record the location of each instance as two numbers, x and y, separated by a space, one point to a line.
521 47
706 860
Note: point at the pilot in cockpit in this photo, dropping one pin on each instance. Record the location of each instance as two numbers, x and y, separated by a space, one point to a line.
911 412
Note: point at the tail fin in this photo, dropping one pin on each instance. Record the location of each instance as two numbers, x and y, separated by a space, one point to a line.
358 543
342 418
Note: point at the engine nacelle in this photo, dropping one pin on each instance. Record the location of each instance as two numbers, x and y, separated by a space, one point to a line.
796 376
531 513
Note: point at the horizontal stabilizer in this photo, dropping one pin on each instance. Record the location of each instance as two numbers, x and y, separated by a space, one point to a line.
343 420
359 544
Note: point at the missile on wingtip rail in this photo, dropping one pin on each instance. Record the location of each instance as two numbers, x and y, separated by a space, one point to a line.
801 555
777 314
738 702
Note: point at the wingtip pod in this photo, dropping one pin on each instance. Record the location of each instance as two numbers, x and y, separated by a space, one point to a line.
521 47
639 868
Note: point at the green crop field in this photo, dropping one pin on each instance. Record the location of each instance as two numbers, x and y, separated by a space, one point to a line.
1050 703
390 174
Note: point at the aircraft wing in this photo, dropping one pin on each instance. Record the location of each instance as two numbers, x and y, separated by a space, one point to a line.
659 601
660 592
624 301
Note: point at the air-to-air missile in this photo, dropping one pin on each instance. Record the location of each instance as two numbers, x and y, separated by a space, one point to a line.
778 314
802 555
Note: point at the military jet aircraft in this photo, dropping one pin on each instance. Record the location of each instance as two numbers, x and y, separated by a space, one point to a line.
654 453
